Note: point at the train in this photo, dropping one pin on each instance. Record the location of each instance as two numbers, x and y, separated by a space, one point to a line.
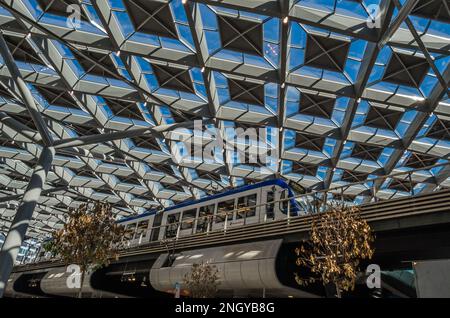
261 202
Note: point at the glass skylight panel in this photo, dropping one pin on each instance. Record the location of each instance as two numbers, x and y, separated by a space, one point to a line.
239 37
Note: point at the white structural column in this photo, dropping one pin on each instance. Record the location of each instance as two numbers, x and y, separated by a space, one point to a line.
24 214
19 225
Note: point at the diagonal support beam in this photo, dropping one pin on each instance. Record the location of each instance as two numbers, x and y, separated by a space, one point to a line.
367 65
408 137
25 93
18 196
95 139
439 178
393 27
20 128
284 36
423 48
23 216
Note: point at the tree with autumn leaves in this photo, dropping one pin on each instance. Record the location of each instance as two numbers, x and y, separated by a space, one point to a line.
339 240
89 238
202 280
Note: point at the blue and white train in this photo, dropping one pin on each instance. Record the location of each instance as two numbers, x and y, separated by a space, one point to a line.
260 202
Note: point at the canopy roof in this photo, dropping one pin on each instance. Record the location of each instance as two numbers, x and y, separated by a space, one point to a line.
341 91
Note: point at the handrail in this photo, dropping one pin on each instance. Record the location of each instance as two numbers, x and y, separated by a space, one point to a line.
295 225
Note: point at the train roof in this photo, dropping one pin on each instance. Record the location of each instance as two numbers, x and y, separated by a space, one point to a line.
278 182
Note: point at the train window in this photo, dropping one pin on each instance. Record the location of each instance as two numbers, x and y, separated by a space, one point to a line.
172 226
188 219
129 231
141 229
246 206
204 217
270 205
224 208
173 218
206 210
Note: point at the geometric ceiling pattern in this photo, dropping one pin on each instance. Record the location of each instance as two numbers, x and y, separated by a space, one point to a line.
342 94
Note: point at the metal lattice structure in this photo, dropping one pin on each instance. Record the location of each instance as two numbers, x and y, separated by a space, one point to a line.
351 90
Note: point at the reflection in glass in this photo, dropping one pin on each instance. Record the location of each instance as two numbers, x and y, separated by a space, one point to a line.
246 206
223 209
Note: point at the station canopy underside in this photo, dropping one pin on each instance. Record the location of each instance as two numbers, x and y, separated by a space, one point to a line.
341 91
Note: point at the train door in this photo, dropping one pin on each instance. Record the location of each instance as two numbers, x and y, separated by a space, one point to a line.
156 229
205 218
141 233
130 228
224 214
284 206
187 222
269 208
